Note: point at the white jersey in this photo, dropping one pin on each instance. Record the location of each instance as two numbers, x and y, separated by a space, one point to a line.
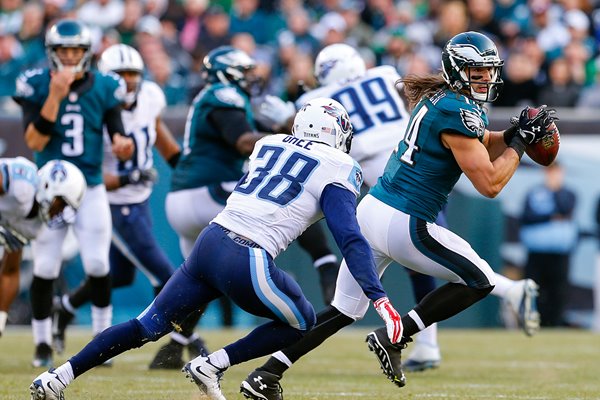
140 125
377 112
279 197
19 182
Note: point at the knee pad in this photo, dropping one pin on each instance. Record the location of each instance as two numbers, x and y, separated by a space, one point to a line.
96 266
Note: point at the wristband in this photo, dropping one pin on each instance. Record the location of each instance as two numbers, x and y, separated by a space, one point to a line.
43 125
509 134
518 145
174 159
124 180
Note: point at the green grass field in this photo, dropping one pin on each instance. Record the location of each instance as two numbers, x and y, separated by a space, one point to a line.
477 364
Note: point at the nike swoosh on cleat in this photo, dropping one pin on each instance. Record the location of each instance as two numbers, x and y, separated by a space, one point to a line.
200 372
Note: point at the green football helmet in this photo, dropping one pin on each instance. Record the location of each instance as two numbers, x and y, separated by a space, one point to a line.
228 65
472 49
69 33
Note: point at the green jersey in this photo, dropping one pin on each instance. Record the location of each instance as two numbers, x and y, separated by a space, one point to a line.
77 134
421 172
208 158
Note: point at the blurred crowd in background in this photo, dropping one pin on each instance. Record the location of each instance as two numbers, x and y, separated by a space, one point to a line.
550 47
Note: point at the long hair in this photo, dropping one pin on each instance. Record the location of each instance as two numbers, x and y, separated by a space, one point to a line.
416 87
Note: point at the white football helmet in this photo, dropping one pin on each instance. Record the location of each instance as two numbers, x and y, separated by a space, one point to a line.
59 179
339 63
123 58
324 120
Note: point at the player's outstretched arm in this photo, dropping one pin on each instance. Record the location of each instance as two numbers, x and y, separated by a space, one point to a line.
339 207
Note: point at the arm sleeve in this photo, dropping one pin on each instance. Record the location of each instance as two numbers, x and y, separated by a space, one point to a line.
30 113
230 122
339 207
113 121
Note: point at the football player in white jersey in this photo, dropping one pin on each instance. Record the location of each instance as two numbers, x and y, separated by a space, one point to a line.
129 185
292 182
27 200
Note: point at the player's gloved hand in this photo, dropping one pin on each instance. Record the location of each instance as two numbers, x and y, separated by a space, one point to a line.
390 316
138 176
12 240
533 129
273 112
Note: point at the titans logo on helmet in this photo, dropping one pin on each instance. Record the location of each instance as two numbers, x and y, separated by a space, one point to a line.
341 118
326 67
58 172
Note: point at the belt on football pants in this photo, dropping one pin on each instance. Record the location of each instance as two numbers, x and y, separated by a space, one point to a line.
239 239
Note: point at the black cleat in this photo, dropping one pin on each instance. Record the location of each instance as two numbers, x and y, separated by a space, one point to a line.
61 318
42 356
169 356
388 355
262 385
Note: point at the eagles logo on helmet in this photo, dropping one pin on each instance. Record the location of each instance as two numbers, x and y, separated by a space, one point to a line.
69 33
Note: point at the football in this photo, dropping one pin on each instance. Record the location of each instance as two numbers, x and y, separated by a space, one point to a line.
544 152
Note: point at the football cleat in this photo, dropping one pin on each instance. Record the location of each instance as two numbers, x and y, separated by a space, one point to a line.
206 376
529 317
422 357
61 318
168 356
47 386
388 355
522 298
262 385
42 356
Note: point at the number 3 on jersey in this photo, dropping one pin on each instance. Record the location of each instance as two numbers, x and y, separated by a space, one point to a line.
410 137
75 132
279 187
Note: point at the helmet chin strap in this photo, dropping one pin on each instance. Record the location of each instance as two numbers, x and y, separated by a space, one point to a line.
60 66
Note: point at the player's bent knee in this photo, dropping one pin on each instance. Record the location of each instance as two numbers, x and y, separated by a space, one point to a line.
96 267
480 292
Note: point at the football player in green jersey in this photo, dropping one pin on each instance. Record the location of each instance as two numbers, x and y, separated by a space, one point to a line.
65 109
446 137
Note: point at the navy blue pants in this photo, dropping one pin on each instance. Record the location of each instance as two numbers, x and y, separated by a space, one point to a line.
134 247
217 266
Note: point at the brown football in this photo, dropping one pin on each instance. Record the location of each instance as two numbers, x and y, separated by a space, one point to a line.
544 152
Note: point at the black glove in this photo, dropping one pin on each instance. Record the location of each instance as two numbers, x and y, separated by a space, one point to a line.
138 176
533 129
12 240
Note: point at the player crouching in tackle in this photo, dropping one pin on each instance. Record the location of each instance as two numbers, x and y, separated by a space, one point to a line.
292 182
